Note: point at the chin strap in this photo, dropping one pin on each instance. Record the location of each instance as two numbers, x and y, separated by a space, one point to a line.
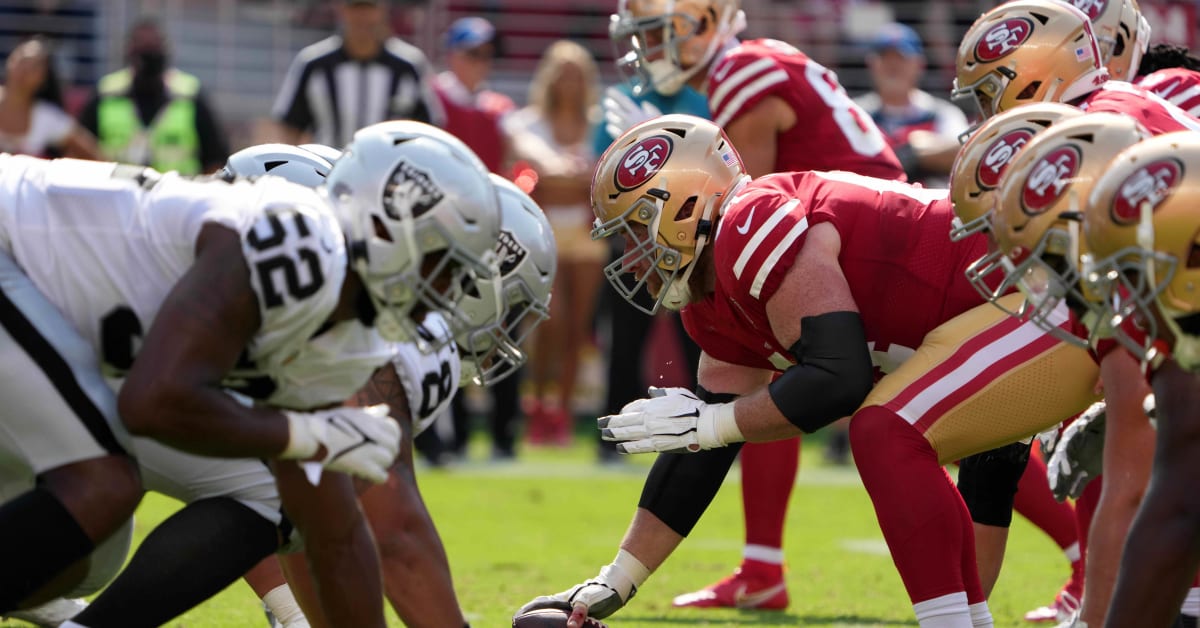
677 294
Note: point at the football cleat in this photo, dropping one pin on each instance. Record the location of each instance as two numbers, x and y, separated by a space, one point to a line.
1065 604
745 588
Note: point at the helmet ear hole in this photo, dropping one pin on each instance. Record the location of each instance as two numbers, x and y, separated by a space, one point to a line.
1193 260
1030 90
685 212
381 230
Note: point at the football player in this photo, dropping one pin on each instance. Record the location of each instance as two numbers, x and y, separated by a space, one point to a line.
789 285
988 488
171 285
785 112
1036 227
1139 225
1039 50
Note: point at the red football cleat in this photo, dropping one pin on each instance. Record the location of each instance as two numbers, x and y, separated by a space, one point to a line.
1065 603
749 588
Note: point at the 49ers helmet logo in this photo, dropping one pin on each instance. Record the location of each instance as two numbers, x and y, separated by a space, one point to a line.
1151 184
998 155
1003 38
642 161
1048 178
1092 8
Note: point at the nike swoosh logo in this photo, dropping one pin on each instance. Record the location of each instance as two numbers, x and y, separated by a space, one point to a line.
745 227
346 426
741 599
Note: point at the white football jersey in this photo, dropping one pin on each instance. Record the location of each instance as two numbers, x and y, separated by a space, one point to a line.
106 243
430 379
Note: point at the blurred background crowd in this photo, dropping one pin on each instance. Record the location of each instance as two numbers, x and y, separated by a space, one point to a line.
179 84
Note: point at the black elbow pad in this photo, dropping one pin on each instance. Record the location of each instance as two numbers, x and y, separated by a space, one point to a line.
832 374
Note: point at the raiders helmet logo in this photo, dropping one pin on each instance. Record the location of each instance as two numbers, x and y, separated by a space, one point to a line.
642 161
510 251
998 155
1048 178
1003 38
1152 184
413 187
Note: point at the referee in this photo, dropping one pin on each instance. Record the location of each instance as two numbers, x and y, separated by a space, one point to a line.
354 79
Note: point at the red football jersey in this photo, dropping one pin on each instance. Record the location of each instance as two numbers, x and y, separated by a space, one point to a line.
1156 114
904 272
1178 86
831 133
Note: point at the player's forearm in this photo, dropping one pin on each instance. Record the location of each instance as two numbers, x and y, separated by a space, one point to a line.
205 421
341 553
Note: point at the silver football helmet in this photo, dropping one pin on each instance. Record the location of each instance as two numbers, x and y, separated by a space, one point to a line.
421 218
503 313
293 163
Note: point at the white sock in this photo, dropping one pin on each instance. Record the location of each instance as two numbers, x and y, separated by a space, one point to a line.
763 554
981 616
282 604
947 611
1072 552
1191 603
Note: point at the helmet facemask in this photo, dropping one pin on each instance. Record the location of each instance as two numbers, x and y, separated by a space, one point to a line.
661 44
663 262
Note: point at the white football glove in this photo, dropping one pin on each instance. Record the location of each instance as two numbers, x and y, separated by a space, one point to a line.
672 420
1079 455
362 442
603 595
622 113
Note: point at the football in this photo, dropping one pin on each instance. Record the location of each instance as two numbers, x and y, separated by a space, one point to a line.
550 618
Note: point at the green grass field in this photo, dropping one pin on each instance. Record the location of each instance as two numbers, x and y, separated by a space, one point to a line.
537 526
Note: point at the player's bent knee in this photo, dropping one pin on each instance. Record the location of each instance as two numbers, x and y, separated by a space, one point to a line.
100 493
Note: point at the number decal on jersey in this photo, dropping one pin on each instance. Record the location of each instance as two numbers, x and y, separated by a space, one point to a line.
862 134
891 359
120 338
436 388
283 266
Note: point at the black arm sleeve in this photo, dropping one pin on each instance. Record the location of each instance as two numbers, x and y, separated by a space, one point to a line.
680 487
832 374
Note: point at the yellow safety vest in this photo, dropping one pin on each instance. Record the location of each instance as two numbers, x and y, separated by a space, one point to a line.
171 142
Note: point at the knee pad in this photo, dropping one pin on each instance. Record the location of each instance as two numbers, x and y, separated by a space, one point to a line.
988 482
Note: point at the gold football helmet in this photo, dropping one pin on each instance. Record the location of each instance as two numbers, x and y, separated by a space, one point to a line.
976 175
1122 32
1027 51
663 43
1039 211
1142 227
661 186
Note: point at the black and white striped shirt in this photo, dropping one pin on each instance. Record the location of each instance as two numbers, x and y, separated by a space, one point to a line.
331 95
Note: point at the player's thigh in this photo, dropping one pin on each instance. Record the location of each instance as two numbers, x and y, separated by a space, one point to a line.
188 477
985 379
57 408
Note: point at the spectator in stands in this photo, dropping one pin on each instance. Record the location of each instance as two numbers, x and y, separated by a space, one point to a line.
32 120
473 114
353 79
922 129
552 134
152 114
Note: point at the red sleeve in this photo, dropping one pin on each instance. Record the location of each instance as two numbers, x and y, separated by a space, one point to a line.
741 80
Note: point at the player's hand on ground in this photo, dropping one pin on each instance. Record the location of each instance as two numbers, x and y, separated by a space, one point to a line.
362 442
1079 454
622 113
671 420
